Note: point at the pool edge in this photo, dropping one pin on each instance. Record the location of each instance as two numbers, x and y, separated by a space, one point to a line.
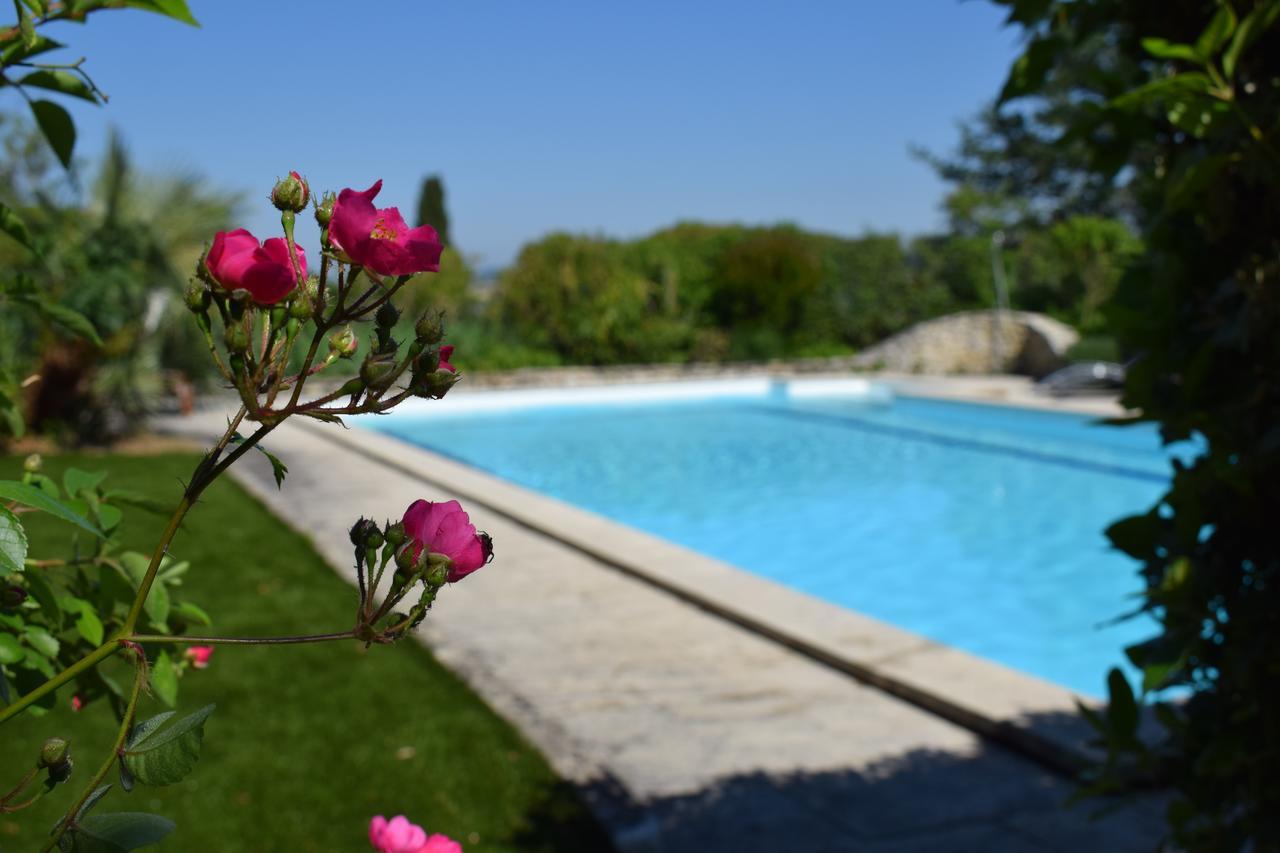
1033 716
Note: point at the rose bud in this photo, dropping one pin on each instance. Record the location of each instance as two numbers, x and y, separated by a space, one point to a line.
199 656
197 296
365 534
33 463
291 194
378 371
324 209
386 316
343 343
395 534
237 339
430 328
54 752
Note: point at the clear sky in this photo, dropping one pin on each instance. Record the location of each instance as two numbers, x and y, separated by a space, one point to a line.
604 117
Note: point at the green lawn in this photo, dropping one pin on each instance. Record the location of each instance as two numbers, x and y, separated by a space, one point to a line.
308 741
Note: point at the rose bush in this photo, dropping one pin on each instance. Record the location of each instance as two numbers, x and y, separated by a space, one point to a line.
379 238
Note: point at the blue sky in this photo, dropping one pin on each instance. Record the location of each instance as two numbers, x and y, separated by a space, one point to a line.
614 118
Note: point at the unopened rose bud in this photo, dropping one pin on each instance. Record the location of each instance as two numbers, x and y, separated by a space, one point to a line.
33 463
438 568
365 534
324 209
291 193
408 557
197 296
12 596
436 384
237 339
53 753
387 316
343 343
303 301
430 328
377 372
395 534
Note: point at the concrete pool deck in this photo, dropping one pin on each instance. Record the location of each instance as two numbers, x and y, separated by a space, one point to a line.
697 706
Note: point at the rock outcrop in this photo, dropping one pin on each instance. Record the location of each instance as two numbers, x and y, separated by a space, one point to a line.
976 342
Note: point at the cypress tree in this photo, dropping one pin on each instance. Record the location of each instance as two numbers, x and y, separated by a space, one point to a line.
431 208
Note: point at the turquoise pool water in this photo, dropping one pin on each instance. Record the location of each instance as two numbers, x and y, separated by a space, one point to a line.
977 526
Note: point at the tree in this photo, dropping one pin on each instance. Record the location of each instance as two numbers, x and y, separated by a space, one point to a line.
1188 114
431 209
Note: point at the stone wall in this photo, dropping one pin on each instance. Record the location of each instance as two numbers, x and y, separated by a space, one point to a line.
975 342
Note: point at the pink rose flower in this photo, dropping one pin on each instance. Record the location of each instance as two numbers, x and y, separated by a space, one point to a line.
440 844
199 656
237 262
445 352
398 835
444 528
379 238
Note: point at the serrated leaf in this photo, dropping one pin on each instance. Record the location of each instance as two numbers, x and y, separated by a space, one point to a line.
165 756
278 469
13 542
164 679
75 481
56 125
11 223
57 80
144 729
12 490
11 650
42 641
116 831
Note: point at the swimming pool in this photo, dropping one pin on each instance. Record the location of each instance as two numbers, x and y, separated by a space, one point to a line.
976 526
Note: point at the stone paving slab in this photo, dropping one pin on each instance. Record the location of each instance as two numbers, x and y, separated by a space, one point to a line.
684 731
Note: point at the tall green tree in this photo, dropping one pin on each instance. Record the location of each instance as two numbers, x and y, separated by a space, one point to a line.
1190 120
431 208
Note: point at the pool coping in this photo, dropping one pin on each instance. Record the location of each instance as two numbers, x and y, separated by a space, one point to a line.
983 696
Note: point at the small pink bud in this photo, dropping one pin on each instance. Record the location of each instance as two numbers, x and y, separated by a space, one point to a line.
76 703
199 656
291 194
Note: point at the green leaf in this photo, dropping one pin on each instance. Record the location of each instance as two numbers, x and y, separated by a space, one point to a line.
12 490
44 484
164 679
157 603
19 50
176 9
1254 25
13 542
1166 88
56 125
136 499
192 613
71 320
278 468
109 517
58 80
75 481
1122 709
44 595
112 832
42 641
165 756
88 624
12 414
1163 49
11 650
1220 28
144 729
92 800
13 225
1031 68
